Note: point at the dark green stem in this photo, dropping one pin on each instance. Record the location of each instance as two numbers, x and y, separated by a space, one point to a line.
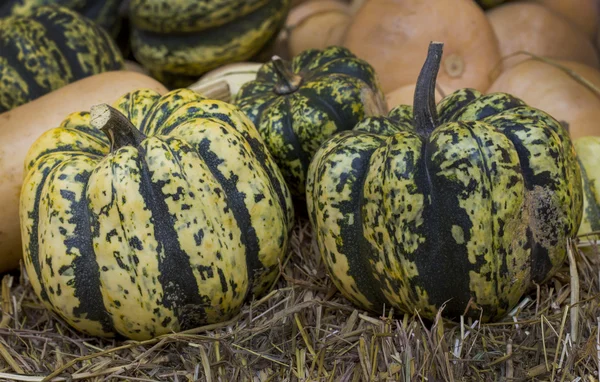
287 81
119 130
424 109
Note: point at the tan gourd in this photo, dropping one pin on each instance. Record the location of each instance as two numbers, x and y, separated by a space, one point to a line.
21 126
317 24
393 36
585 14
549 88
534 28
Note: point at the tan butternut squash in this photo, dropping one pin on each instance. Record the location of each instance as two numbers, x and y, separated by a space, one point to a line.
393 35
21 126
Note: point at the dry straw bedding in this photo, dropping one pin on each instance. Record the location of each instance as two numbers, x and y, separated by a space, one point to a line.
304 330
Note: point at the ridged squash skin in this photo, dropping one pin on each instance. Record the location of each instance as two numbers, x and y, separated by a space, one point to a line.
296 105
104 13
50 48
172 230
588 154
465 208
180 40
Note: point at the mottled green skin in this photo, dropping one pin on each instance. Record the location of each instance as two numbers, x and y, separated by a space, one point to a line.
168 16
104 13
186 45
168 234
49 49
336 92
588 154
478 209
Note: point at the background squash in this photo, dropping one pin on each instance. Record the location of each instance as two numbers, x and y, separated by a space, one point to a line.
462 206
48 49
21 126
104 13
179 41
168 224
297 105
535 28
555 91
390 35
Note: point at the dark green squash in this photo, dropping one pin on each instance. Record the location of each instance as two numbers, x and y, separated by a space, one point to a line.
179 40
104 13
466 204
51 47
169 218
299 104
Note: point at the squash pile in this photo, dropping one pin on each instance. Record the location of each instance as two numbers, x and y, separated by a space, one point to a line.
156 154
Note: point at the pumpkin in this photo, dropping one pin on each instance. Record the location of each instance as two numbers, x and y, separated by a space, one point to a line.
584 16
48 49
317 25
296 105
154 215
457 206
548 85
105 13
588 154
389 34
534 28
180 40
21 126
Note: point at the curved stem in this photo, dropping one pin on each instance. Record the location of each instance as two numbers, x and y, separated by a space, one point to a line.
424 109
119 130
287 81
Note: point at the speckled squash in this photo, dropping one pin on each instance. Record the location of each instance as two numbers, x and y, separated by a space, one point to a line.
104 13
588 154
299 104
179 40
464 204
50 48
168 218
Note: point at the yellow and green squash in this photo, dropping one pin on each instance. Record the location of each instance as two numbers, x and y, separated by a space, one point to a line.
299 104
588 154
47 49
179 40
104 13
463 205
159 214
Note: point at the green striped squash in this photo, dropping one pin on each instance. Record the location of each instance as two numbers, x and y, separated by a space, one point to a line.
104 13
159 214
463 205
48 49
179 40
296 105
588 154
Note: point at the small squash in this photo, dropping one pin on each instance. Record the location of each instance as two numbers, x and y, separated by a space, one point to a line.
159 214
234 75
534 28
461 206
50 48
588 154
548 85
180 40
297 105
390 36
21 126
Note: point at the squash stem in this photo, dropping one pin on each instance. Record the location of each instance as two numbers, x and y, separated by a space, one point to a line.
424 109
287 81
119 130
